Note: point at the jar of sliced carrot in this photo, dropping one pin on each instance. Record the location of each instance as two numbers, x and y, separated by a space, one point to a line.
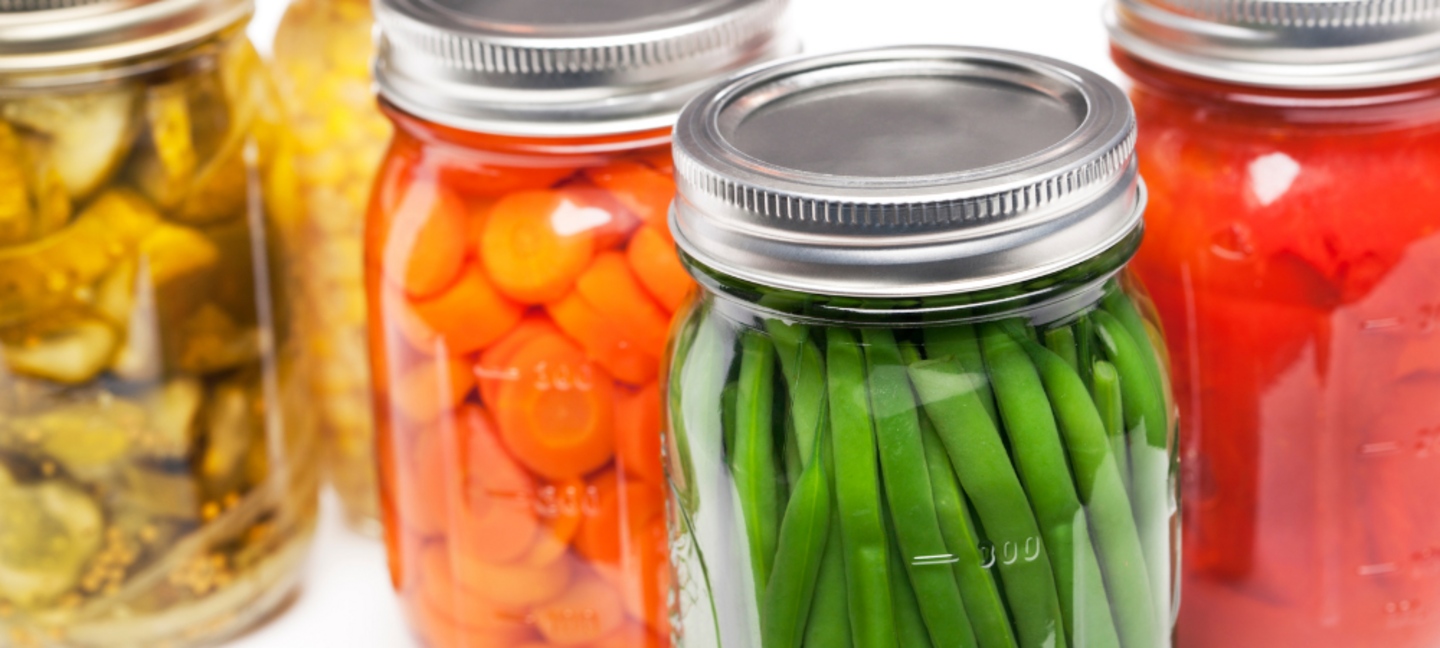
521 281
919 400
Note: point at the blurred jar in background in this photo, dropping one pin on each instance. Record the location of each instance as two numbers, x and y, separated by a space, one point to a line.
1292 151
521 282
322 67
156 473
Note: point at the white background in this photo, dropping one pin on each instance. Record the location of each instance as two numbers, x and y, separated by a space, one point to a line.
346 601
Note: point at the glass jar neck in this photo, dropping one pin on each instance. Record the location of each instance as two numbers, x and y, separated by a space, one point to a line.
1048 298
1410 104
429 133
196 55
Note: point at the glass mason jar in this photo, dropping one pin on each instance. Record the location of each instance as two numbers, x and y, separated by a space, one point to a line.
156 481
521 286
322 54
1293 257
918 399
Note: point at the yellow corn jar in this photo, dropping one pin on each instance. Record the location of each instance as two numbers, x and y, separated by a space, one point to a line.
322 53
156 473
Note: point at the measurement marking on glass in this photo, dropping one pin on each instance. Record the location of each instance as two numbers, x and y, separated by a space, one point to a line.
497 374
1383 323
942 559
1376 570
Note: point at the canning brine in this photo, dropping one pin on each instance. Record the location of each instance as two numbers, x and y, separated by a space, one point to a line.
1293 255
521 292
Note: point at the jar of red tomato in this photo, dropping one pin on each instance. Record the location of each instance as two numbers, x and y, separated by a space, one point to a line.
521 281
1292 150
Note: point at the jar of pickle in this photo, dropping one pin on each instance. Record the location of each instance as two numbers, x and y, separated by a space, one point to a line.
521 283
156 484
918 401
322 67
1292 150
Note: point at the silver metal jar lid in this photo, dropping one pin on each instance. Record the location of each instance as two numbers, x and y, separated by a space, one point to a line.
41 35
1295 44
906 172
565 67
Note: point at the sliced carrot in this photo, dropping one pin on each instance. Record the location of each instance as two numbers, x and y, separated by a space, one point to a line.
439 629
560 506
646 574
425 502
624 506
495 369
500 523
630 635
657 158
658 267
637 434
453 600
510 586
610 287
467 317
535 244
429 389
425 247
558 417
479 208
471 174
605 342
618 222
644 190
588 611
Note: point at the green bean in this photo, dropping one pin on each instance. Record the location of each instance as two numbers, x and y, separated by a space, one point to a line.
728 398
804 370
798 556
908 493
977 584
696 425
960 342
1045 472
829 623
754 466
857 496
1149 458
794 465
1061 341
1118 305
699 359
909 621
1085 348
1107 507
1110 404
951 397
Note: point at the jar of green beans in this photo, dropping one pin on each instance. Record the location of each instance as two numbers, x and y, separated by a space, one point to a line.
918 400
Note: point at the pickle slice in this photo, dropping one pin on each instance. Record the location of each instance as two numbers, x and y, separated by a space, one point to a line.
48 532
42 275
90 438
221 189
89 134
172 410
166 159
16 217
233 425
70 352
33 200
211 341
181 262
153 492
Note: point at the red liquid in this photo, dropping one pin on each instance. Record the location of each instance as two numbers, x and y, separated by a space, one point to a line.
1293 255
